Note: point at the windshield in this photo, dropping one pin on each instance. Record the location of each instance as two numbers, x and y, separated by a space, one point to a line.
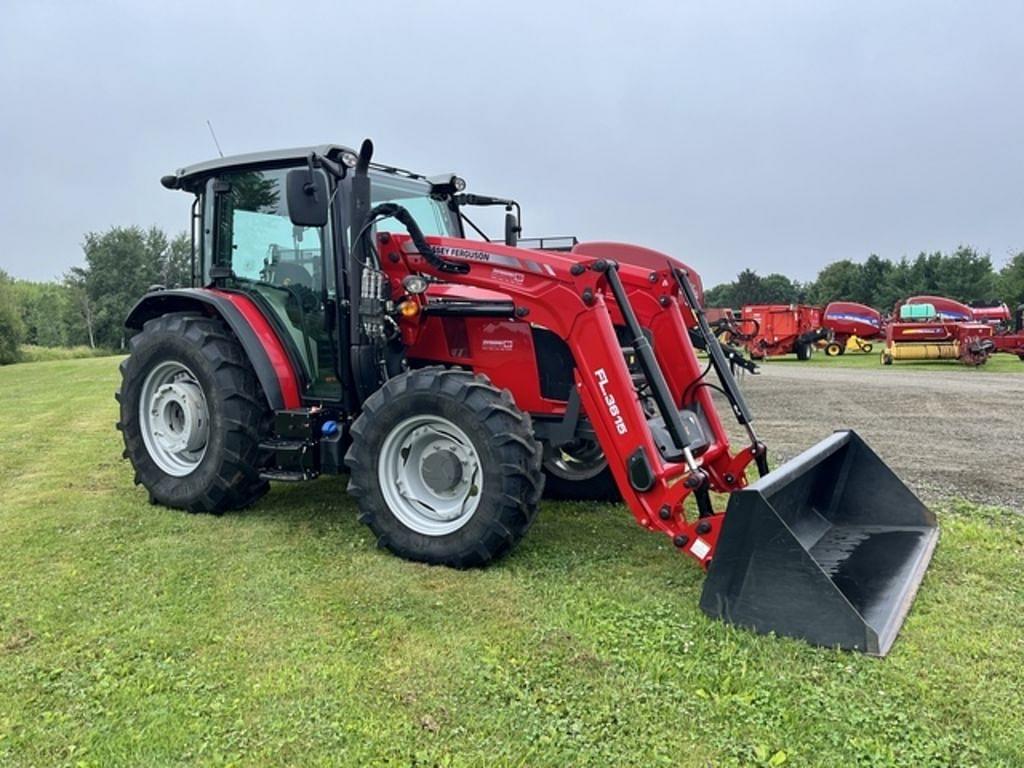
432 215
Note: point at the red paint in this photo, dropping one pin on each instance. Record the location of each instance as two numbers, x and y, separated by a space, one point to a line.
545 292
271 344
848 318
774 329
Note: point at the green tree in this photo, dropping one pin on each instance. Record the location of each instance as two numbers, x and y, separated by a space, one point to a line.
42 312
839 281
120 265
1011 281
176 262
12 329
872 279
80 313
965 275
750 288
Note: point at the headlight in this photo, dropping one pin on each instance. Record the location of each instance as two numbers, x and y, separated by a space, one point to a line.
414 284
349 159
459 183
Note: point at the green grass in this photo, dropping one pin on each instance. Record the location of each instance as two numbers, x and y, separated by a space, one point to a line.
136 635
30 353
1001 363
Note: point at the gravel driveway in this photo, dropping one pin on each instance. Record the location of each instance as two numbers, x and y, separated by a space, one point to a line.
946 433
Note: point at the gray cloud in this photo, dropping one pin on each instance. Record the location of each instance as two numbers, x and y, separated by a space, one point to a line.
776 136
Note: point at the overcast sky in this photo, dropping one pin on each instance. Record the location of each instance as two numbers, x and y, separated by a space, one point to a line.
777 136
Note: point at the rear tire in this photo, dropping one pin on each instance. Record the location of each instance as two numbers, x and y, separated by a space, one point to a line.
579 472
445 468
803 351
192 413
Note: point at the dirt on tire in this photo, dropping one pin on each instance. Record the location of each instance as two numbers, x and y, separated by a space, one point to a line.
947 434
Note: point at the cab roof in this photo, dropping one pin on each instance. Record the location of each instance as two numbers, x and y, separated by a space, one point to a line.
186 178
182 178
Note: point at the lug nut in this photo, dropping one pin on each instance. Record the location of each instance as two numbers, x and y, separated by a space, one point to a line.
681 540
703 527
577 269
665 512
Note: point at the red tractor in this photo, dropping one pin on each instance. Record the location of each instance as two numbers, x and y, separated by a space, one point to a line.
770 330
848 320
340 320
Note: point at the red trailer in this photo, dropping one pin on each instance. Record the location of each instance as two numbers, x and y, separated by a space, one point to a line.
769 330
850 320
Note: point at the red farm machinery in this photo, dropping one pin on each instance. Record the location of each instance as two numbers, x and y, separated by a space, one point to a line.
848 320
772 330
937 328
341 321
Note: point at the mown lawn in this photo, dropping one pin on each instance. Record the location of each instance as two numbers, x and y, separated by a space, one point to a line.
135 635
999 363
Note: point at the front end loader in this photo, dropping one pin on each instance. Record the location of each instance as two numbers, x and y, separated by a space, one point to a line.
340 320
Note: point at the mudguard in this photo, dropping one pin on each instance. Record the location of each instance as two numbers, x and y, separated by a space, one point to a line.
266 352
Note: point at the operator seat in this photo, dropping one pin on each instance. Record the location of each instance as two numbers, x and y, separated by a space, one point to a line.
289 273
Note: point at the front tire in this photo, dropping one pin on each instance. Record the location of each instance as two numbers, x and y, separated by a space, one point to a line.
444 468
191 415
833 349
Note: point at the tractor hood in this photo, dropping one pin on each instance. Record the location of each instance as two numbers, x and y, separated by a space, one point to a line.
637 256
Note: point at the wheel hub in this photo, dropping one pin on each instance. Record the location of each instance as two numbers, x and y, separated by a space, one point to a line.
175 420
441 470
430 475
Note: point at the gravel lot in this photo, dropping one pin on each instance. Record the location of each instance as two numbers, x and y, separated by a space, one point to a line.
947 434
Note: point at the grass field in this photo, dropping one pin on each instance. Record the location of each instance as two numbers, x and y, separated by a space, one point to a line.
1001 363
135 635
30 353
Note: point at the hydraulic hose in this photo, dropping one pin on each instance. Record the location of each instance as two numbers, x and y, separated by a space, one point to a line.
399 213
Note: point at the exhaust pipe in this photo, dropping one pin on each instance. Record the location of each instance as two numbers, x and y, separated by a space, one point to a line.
829 548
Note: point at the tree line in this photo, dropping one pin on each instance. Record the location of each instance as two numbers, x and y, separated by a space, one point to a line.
964 275
88 305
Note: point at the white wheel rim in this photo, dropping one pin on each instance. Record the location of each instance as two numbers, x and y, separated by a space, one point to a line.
430 475
174 418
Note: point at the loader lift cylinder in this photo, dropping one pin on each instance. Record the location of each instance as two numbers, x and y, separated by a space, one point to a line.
721 365
645 355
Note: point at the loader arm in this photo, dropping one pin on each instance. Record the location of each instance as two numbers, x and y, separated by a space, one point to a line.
574 298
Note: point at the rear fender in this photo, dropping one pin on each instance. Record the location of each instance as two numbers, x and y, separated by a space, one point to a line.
266 353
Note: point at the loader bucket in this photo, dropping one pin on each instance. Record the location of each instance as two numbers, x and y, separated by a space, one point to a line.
830 548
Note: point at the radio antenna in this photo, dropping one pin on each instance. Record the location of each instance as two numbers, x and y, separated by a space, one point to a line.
214 135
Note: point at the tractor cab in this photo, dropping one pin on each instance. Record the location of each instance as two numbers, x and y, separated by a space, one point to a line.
246 241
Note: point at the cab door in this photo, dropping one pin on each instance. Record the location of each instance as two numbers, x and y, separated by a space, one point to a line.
287 270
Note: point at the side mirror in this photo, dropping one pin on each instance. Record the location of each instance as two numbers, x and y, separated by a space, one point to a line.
307 198
512 229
